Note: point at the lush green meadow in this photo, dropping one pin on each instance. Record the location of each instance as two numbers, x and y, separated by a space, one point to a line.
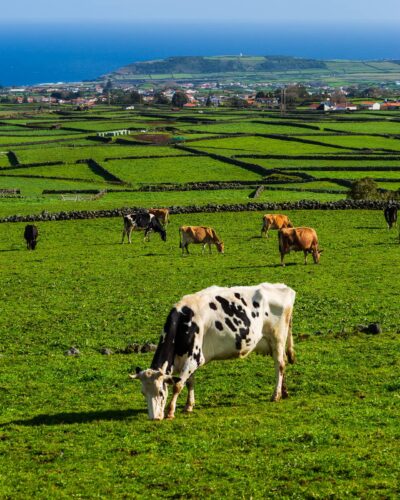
76 426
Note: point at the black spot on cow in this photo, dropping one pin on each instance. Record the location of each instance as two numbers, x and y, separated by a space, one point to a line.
266 313
218 326
243 332
178 338
197 357
213 306
237 295
237 322
230 325
256 304
243 301
232 310
253 314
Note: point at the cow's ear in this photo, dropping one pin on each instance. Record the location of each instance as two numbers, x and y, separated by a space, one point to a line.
138 370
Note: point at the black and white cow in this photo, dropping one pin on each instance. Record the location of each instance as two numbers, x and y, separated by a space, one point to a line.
218 323
31 234
145 221
390 214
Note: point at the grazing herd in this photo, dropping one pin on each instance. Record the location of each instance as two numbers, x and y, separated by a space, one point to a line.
219 323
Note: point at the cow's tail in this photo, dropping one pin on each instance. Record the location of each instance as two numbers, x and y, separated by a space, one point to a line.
290 344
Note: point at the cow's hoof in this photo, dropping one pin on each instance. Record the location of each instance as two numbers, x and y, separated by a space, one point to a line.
275 398
188 409
285 394
170 416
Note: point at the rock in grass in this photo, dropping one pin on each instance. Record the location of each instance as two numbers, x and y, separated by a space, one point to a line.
148 347
72 351
105 351
372 328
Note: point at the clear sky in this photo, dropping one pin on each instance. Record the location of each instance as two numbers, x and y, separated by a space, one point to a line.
266 11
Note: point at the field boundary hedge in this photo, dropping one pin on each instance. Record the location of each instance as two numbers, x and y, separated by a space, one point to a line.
210 208
367 156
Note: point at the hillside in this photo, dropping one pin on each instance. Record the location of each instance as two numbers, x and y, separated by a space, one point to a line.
258 68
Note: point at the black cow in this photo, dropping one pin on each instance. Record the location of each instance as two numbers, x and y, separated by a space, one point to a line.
30 234
142 220
390 213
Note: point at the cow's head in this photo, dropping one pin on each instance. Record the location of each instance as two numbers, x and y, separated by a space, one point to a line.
220 246
154 389
316 255
33 244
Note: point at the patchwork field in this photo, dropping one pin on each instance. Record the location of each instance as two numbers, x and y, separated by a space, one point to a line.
76 426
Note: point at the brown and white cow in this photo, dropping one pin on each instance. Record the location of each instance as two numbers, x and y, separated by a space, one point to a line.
162 214
199 235
215 324
274 221
299 239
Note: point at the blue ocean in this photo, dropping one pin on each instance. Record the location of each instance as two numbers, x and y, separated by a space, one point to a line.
74 52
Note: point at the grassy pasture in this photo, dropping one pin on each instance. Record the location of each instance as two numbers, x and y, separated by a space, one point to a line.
361 141
261 145
187 169
78 426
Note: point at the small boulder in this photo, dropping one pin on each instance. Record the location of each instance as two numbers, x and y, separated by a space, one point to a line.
148 347
72 351
105 351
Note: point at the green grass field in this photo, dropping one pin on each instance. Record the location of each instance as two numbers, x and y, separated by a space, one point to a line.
77 427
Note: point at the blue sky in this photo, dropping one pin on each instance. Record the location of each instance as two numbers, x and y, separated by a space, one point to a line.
266 11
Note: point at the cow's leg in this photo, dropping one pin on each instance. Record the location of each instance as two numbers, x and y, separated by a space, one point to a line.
190 399
130 234
187 248
282 257
186 376
278 353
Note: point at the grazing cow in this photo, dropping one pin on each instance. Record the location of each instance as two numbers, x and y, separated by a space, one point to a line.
277 221
31 234
142 220
299 239
199 235
390 213
215 324
162 215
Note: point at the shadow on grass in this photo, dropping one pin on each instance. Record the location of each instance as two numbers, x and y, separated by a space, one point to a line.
263 266
11 250
77 417
370 227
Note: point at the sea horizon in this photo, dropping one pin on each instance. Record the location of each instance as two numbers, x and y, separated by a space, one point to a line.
71 52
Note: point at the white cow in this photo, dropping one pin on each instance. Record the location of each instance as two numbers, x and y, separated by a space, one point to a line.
218 323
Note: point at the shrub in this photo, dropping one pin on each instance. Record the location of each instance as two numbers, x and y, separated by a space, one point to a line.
364 189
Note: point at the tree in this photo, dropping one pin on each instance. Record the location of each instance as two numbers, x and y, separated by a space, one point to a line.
160 98
364 189
208 101
135 97
179 99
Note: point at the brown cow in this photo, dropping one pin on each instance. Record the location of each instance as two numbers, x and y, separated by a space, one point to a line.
199 234
276 221
162 214
299 239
